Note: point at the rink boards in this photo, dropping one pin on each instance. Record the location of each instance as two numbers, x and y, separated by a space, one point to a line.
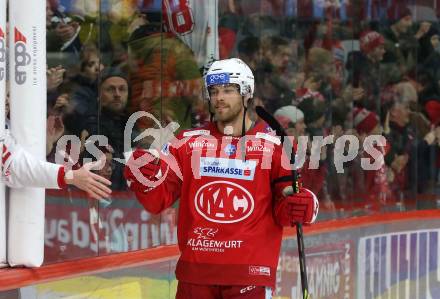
371 258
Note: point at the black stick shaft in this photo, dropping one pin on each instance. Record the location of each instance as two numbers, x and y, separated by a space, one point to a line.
274 124
302 260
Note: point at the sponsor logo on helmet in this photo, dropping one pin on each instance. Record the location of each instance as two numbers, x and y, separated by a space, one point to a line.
215 79
224 202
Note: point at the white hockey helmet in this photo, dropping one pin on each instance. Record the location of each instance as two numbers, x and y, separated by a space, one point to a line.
231 71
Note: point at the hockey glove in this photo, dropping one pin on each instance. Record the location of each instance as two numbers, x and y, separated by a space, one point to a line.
143 171
300 207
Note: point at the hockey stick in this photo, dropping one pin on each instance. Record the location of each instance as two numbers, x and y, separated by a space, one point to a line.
273 123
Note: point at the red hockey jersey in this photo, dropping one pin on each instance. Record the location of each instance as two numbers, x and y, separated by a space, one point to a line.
226 231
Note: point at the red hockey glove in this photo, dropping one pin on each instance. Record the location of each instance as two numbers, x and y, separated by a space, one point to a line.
143 171
300 207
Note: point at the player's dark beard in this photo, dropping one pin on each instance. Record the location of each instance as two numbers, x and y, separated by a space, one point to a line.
231 114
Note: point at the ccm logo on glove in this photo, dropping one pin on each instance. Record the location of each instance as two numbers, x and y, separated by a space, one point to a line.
300 207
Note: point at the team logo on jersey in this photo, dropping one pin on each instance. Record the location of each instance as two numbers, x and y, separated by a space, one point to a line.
224 202
205 233
268 129
227 168
166 149
230 149
206 241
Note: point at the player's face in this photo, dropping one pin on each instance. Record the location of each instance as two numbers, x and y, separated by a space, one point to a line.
226 102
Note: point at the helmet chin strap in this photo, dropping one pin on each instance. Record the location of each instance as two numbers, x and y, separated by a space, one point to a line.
243 126
243 131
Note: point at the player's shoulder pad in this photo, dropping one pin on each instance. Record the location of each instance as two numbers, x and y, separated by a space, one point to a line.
194 133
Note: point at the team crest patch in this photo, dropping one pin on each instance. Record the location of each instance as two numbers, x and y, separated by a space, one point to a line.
230 149
166 149
224 202
268 129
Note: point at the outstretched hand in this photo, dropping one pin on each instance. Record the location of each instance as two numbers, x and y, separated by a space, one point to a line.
93 184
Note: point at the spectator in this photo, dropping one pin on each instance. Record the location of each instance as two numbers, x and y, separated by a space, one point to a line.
407 156
166 85
314 115
229 22
429 50
364 77
273 77
322 35
249 51
319 69
319 64
375 184
292 120
407 93
55 76
400 43
85 89
114 93
428 96
62 31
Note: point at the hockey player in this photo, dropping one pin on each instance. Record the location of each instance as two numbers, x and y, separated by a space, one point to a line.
21 169
232 208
